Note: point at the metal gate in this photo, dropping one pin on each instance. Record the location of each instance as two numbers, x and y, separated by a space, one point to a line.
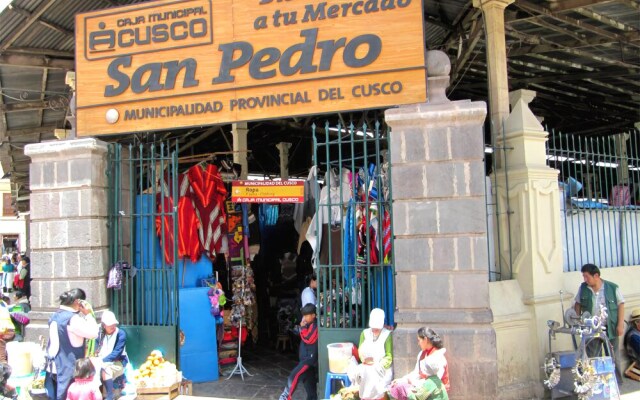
353 253
143 183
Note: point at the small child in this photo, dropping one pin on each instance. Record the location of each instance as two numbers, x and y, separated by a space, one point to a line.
83 386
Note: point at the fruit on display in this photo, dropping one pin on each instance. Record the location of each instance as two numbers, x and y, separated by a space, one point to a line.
155 371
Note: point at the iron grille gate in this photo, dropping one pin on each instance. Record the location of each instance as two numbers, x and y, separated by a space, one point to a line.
143 183
353 251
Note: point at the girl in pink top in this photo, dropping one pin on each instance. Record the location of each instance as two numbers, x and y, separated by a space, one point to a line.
83 386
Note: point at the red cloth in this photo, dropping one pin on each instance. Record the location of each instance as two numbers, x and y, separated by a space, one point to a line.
188 241
386 237
208 195
164 220
201 218
188 224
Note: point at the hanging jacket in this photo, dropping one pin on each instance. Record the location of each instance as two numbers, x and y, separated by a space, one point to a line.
188 223
330 193
208 194
307 209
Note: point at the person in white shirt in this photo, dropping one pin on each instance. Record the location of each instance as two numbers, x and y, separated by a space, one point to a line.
69 326
308 295
112 353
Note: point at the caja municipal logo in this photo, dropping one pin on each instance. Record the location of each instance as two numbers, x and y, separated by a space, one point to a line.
159 27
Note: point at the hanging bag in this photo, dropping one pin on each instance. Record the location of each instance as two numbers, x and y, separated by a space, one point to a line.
114 280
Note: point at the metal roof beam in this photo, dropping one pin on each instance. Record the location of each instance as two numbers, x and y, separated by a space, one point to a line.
474 38
545 12
30 61
567 47
605 19
26 106
28 131
34 16
566 63
602 74
40 52
579 37
569 5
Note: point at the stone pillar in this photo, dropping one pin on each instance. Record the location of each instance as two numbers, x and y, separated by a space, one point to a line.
240 148
534 217
622 155
440 231
68 229
493 11
283 148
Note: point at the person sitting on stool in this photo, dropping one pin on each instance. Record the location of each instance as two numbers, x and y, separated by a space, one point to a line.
112 353
308 364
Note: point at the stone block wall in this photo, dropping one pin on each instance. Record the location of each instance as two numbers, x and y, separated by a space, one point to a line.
68 229
440 241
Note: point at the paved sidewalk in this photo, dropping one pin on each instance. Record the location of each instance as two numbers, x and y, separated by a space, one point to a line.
270 369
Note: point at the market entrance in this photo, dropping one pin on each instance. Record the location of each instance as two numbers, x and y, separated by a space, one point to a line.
261 257
351 232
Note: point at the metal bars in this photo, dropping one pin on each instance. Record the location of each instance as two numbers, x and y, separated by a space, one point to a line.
498 211
353 247
600 197
143 197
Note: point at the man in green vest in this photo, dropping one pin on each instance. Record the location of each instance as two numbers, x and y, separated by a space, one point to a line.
594 294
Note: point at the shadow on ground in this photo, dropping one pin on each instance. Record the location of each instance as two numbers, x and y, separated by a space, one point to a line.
269 368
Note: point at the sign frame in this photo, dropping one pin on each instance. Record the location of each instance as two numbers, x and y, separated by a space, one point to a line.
123 93
267 192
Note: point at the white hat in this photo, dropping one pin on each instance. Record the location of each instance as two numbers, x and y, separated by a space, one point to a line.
109 318
376 318
635 315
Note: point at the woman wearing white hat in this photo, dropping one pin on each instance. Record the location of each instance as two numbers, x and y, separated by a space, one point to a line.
112 353
376 355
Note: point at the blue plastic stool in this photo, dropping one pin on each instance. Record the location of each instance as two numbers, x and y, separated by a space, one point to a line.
332 377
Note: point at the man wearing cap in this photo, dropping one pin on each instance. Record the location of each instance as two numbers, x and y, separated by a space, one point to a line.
306 368
632 338
375 351
112 352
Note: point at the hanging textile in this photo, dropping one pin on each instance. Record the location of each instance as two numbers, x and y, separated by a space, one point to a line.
208 194
268 215
164 220
304 211
188 223
325 215
348 248
386 237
